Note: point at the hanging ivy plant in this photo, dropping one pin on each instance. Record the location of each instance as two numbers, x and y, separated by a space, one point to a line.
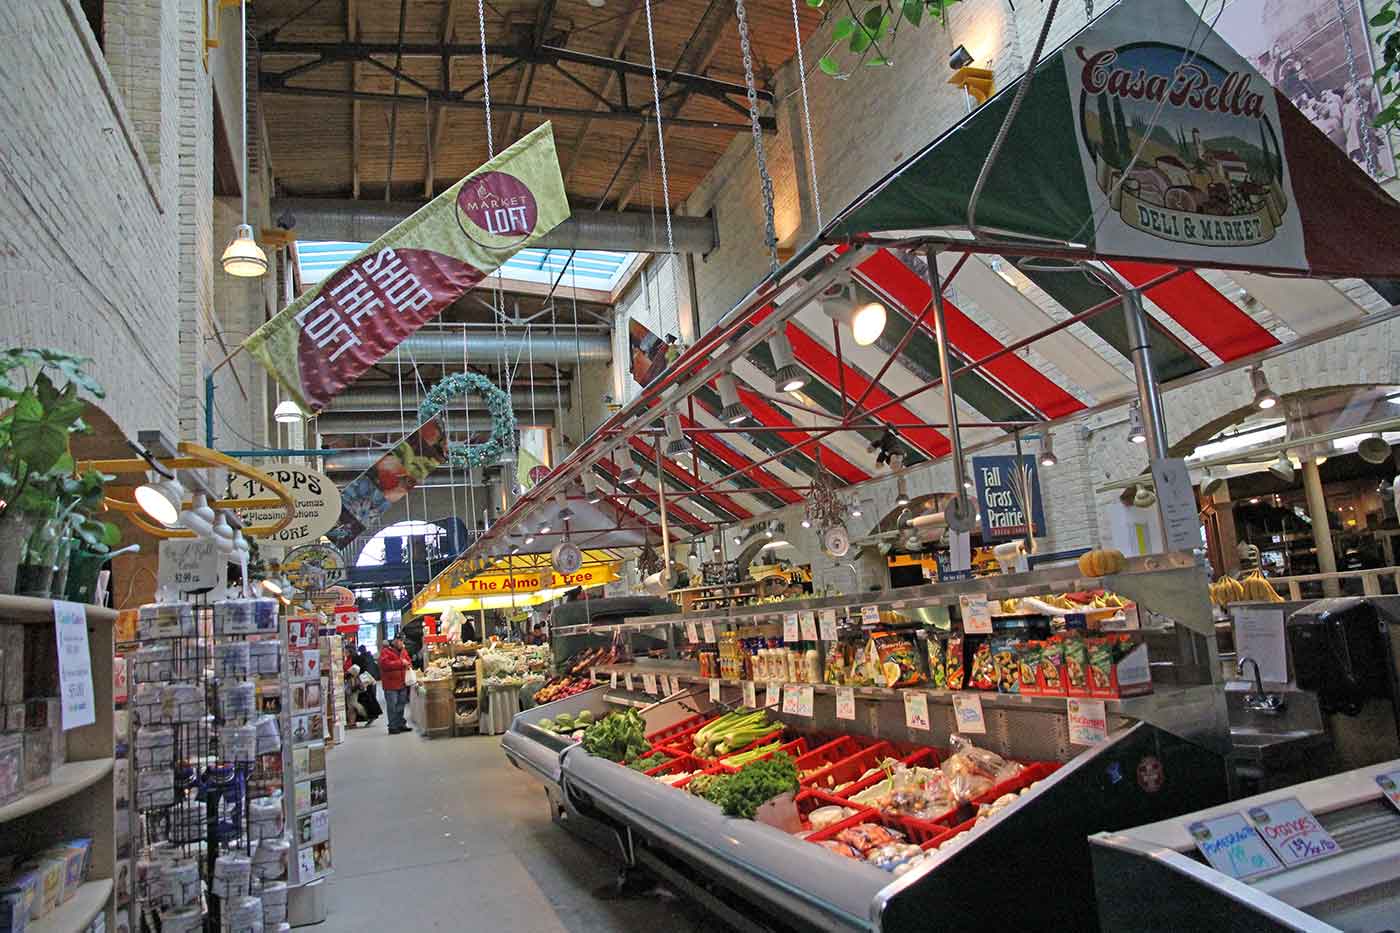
1386 24
502 436
871 34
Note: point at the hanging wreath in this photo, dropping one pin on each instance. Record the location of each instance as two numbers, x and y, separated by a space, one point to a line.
502 437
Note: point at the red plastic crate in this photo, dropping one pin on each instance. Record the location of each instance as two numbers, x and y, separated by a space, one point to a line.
917 836
811 799
764 739
677 765
922 757
688 726
925 834
829 753
849 768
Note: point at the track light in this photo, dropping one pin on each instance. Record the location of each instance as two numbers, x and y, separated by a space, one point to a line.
223 533
717 549
516 531
960 58
565 513
277 586
768 532
629 474
544 527
287 412
806 522
1264 397
1282 468
902 491
733 411
738 539
1047 451
590 489
865 318
855 510
529 540
676 443
161 499
1136 433
790 377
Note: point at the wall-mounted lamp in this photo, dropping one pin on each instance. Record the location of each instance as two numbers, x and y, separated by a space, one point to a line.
977 83
960 57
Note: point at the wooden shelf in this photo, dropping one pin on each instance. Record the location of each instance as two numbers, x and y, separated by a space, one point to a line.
32 610
75 915
65 781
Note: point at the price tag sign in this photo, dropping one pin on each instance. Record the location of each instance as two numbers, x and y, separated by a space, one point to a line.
1389 783
797 700
808 621
714 690
1292 831
828 624
750 695
845 703
869 615
916 709
770 696
79 701
612 680
710 633
691 635
649 683
976 616
967 708
627 682
1088 723
791 630
1232 846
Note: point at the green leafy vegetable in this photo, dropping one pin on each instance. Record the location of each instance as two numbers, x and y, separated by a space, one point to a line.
651 761
742 794
617 737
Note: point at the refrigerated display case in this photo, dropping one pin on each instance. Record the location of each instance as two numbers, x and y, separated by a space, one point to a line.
1153 877
1162 753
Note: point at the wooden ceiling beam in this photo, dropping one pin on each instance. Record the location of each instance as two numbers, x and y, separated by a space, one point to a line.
605 90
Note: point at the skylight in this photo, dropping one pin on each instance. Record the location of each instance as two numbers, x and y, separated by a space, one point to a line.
600 270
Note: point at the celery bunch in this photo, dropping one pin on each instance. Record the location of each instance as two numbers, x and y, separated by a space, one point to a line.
731 732
743 758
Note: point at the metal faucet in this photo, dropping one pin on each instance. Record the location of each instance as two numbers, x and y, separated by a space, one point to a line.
1259 701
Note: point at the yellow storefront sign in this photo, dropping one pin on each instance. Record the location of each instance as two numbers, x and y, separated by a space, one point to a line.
529 585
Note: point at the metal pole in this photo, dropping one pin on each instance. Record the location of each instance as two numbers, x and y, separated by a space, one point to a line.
665 527
1321 528
945 368
1154 421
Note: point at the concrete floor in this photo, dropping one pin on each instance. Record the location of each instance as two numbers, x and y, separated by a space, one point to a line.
446 834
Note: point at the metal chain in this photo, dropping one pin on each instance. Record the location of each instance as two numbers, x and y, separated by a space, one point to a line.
1367 143
660 137
1088 9
765 180
485 79
807 116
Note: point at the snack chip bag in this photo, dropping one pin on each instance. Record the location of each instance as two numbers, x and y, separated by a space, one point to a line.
1100 666
982 674
953 662
896 660
1076 664
937 674
1049 668
1006 664
1027 663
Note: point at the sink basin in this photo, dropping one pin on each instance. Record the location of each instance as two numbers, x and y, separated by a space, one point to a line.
1262 744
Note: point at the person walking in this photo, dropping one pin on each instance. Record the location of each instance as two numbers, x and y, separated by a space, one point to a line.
365 659
394 664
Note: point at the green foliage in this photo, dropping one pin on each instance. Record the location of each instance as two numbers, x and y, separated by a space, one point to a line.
871 34
36 466
617 737
1386 23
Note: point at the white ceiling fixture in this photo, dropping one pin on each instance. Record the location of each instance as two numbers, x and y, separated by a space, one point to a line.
733 412
789 376
243 257
161 498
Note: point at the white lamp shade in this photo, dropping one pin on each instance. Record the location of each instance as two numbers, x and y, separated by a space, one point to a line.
161 500
287 412
244 257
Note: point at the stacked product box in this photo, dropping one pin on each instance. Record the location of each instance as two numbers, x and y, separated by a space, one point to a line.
31 888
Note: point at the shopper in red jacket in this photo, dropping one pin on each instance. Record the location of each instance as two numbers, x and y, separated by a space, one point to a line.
393 665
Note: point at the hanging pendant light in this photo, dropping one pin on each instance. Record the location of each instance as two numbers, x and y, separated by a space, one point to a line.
790 377
200 517
590 489
1136 432
733 411
287 411
1264 396
629 474
243 257
866 319
1047 451
676 443
901 491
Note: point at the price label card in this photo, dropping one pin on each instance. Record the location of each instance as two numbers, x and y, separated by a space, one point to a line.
828 624
691 635
612 680
1292 831
750 695
967 707
1088 723
593 674
916 709
710 633
791 630
845 703
797 700
714 690
808 622
627 682
770 696
976 616
79 701
869 615
1389 783
649 683
669 685
1232 846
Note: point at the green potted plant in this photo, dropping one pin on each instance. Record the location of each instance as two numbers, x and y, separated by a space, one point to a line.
39 491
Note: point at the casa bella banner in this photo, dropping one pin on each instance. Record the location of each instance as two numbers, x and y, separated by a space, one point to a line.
339 328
